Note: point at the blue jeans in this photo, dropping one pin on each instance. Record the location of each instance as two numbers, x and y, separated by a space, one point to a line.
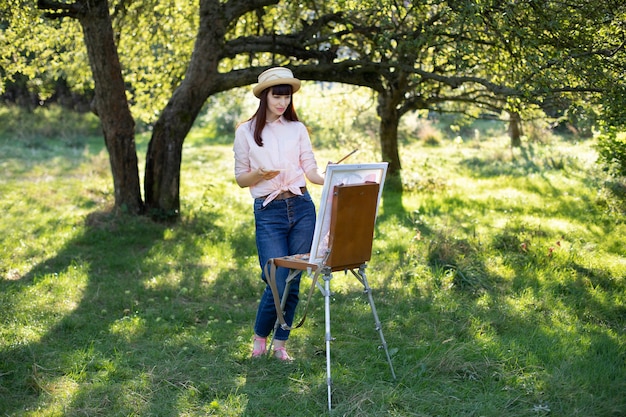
283 227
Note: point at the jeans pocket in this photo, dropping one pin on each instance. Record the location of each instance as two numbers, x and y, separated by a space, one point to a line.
306 197
258 205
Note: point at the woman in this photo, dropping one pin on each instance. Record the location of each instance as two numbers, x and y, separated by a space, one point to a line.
273 156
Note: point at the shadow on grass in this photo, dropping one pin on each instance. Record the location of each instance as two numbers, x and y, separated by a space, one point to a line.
134 346
548 338
465 347
553 315
391 203
135 342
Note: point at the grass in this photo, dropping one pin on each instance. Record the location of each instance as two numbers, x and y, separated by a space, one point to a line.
499 276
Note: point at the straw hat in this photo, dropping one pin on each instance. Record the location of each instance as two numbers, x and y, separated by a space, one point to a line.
275 76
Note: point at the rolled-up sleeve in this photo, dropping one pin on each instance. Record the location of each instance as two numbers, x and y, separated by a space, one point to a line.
241 148
307 158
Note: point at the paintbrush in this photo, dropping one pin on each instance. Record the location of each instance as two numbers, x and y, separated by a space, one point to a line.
342 159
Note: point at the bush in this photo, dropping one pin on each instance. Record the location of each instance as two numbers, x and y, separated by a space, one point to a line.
612 152
429 134
47 122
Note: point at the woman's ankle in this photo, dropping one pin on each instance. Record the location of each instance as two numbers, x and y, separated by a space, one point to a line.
280 353
258 346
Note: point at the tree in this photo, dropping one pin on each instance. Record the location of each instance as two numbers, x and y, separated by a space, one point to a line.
559 55
203 78
446 56
217 40
488 57
110 102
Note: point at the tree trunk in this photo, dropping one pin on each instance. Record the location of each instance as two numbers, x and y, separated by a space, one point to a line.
163 160
389 120
112 106
515 129
164 156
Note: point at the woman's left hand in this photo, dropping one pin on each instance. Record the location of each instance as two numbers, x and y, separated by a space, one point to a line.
268 174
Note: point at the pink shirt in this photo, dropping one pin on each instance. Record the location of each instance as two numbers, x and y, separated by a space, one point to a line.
286 146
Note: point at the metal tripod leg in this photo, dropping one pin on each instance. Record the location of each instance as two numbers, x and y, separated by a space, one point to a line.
361 277
326 292
283 302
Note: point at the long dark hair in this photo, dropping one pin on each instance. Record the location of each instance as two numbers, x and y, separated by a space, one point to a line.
260 114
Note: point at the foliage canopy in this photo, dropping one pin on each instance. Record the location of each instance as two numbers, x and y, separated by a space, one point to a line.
507 59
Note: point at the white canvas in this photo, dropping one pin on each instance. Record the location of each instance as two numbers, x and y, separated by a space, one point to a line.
337 175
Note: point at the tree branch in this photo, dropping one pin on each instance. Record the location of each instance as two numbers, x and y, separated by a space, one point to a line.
296 44
347 72
233 10
57 10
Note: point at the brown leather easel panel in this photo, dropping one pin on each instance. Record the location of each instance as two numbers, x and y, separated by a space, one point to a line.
352 221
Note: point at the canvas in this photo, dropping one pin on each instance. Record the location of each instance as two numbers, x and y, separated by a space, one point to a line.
337 175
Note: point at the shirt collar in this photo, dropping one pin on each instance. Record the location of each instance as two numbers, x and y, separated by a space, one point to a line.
280 120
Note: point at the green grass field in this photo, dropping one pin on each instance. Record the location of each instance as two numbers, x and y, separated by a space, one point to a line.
499 277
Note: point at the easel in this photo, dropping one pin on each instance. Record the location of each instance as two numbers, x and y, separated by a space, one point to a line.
351 233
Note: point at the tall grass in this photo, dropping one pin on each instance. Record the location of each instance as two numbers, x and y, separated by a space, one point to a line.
499 275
